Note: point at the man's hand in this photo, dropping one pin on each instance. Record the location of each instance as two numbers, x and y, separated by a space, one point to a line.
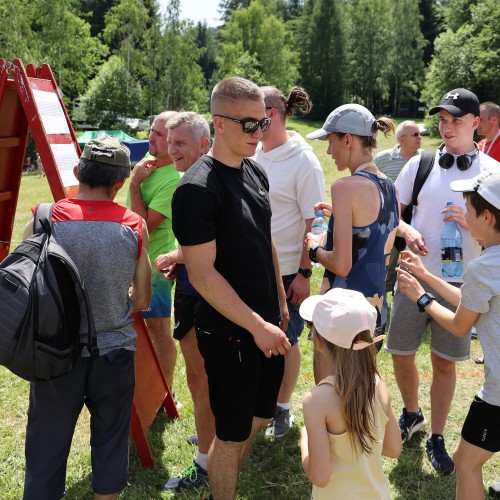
415 241
165 260
143 169
456 213
298 290
271 340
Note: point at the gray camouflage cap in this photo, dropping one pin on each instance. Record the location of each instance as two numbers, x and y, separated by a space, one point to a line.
108 150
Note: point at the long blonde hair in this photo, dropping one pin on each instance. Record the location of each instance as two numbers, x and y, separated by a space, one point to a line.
355 373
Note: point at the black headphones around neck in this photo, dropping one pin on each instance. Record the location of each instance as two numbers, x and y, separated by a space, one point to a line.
464 162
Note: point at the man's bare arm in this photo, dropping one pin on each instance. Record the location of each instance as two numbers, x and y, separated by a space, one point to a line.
140 293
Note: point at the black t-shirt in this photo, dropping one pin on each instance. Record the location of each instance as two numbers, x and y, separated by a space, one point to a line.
232 207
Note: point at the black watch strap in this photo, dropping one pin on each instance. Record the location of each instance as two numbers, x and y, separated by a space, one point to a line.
424 300
307 273
312 253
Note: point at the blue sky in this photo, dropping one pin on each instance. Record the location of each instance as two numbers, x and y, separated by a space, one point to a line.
197 10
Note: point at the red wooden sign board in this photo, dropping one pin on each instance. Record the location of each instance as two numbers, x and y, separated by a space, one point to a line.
30 100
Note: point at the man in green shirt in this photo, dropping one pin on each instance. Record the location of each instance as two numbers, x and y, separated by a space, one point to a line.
152 185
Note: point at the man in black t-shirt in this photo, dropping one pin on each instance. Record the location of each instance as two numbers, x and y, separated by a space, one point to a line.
222 220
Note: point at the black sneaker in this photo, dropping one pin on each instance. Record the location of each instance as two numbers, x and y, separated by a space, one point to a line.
494 490
410 422
436 451
190 477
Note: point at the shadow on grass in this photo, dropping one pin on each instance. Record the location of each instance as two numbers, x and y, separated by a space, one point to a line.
413 477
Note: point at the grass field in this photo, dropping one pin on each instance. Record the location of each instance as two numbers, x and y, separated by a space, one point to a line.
273 470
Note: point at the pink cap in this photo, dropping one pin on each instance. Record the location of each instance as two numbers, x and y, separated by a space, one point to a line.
339 315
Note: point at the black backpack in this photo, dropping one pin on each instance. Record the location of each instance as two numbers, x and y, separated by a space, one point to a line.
424 169
42 303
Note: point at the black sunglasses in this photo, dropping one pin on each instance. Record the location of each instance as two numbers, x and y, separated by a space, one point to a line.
415 134
250 125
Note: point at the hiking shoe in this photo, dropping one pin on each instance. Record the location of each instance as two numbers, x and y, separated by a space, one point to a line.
192 439
436 451
280 424
190 477
473 332
410 422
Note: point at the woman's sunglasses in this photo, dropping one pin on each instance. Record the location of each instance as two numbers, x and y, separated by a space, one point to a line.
250 125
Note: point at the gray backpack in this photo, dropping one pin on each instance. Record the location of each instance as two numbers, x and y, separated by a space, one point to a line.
43 302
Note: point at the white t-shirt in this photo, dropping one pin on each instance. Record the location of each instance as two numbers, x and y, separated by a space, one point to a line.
296 183
433 197
481 293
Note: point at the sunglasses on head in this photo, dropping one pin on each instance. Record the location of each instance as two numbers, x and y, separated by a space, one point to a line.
250 125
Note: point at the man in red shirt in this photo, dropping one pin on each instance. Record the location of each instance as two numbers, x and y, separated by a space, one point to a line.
489 127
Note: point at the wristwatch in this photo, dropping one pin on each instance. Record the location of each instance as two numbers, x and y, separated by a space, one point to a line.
312 253
424 301
307 273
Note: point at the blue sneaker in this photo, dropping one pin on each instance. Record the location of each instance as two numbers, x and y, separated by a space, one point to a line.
440 460
190 477
410 422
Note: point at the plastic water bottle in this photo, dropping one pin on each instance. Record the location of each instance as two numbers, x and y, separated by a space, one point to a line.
318 229
452 260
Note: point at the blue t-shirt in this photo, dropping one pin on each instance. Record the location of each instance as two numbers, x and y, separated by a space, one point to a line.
369 257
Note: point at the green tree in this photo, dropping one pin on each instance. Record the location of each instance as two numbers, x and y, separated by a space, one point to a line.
181 84
254 38
467 57
406 55
368 45
320 31
16 20
64 41
107 101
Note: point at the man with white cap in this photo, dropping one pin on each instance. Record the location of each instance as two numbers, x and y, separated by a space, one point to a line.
457 158
477 302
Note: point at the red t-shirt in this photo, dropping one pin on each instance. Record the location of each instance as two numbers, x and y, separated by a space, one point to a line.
493 151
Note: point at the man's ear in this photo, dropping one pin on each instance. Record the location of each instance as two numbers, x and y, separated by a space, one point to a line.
204 145
75 172
475 122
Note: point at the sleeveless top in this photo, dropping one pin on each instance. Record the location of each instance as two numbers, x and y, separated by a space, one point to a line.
182 283
352 476
369 252
105 240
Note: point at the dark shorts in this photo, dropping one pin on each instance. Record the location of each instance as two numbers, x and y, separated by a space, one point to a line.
106 386
242 382
184 308
296 324
482 425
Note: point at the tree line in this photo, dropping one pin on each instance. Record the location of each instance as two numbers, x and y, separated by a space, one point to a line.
123 58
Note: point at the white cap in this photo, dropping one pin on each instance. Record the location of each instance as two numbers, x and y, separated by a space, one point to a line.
486 184
347 119
339 315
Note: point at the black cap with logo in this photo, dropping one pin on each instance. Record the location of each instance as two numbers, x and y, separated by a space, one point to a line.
458 102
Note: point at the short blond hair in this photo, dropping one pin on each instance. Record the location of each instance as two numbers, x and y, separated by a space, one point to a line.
235 88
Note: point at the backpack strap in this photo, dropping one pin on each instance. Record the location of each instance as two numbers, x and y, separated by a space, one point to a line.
42 221
424 169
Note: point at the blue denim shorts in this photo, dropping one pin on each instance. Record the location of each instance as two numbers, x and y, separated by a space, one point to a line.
161 298
296 324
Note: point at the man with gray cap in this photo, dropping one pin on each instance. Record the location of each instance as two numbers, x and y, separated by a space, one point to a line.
109 244
457 158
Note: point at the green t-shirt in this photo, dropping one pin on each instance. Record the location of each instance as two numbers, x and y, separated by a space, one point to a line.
157 191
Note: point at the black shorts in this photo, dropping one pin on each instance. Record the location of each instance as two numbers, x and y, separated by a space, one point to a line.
184 307
242 382
481 427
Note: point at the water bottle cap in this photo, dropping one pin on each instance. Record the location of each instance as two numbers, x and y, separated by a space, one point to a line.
449 203
319 213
